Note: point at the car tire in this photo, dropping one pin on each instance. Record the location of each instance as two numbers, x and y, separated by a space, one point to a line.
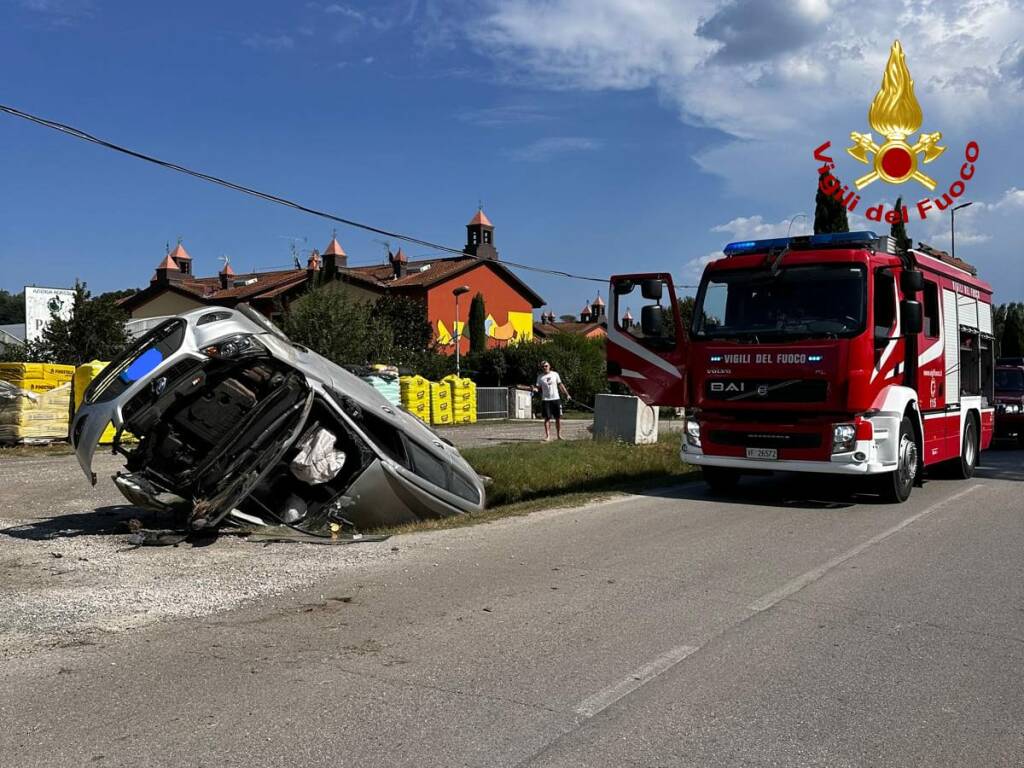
963 467
720 479
895 487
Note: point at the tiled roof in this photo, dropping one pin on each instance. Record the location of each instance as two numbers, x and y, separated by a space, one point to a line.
168 263
582 329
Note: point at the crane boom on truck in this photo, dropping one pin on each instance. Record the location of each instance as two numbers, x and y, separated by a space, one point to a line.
829 353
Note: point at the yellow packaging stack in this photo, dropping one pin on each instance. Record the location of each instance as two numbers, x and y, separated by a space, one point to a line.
463 399
84 374
414 392
440 403
43 419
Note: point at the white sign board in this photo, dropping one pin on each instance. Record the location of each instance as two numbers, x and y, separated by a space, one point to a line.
40 303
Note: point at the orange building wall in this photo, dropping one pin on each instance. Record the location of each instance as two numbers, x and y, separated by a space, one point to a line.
500 298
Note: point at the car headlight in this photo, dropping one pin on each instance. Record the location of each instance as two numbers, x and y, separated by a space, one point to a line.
844 438
1012 408
693 432
240 345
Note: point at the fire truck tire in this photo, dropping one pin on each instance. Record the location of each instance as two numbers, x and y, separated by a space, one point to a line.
720 479
963 468
895 487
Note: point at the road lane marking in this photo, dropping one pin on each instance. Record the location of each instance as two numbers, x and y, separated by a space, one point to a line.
792 587
601 700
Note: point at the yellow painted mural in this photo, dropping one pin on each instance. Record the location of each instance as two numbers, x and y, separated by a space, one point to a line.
519 328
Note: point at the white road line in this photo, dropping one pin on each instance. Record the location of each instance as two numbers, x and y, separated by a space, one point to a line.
794 586
601 700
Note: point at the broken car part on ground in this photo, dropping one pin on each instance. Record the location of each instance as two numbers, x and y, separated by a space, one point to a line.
233 418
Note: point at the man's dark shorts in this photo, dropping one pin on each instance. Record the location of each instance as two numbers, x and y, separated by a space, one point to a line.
551 409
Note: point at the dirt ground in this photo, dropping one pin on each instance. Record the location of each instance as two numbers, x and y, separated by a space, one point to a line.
69 572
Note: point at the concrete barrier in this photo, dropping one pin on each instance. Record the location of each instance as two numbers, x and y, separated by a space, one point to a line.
625 418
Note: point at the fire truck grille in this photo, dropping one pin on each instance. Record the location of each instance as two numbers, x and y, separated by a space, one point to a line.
767 390
751 439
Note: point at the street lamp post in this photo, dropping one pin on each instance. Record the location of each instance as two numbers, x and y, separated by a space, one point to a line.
952 227
458 336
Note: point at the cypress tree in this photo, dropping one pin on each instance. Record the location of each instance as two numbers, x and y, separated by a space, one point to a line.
829 213
898 231
477 321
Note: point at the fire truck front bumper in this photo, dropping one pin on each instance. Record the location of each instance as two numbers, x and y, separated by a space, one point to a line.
870 456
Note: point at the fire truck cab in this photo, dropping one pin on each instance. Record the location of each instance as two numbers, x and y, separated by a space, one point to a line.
828 353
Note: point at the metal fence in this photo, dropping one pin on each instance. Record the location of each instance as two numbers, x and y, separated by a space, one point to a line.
491 403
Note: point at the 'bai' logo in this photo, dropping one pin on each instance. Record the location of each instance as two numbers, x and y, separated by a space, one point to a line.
895 114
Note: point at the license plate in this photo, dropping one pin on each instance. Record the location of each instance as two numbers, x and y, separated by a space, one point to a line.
762 453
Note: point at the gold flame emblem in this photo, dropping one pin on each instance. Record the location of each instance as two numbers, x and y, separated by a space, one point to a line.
895 114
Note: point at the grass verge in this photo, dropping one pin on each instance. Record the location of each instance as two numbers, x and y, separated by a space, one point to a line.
43 449
528 477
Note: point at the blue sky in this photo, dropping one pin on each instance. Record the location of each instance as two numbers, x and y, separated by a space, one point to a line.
601 135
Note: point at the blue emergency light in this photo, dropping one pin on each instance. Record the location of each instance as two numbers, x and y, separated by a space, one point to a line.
851 239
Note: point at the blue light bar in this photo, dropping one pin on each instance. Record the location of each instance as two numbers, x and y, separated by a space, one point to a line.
865 237
814 358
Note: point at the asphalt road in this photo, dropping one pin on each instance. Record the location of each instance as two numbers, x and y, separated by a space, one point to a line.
791 625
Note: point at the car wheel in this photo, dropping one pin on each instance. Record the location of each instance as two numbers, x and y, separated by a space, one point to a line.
720 479
895 487
963 468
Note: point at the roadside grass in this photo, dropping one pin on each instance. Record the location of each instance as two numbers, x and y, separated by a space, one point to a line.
43 449
533 476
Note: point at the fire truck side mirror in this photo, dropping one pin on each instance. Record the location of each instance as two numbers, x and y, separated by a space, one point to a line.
911 282
910 316
652 319
622 287
651 289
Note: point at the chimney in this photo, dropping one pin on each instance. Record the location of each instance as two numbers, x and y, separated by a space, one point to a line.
167 272
334 257
313 266
226 274
399 263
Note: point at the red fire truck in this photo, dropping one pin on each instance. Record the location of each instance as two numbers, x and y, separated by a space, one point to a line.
828 353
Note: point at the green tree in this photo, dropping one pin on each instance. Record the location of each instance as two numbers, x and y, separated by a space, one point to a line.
1011 341
329 321
829 213
12 307
477 324
898 230
95 331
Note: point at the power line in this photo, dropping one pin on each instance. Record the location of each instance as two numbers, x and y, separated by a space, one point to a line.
80 134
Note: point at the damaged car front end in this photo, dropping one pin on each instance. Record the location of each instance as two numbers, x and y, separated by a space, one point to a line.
232 417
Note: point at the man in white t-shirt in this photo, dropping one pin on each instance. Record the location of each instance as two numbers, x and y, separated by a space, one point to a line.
549 384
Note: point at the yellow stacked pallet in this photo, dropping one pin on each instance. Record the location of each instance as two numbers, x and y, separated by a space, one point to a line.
440 403
84 374
43 419
414 392
463 399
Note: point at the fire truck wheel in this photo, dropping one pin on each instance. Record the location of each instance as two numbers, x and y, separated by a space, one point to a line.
720 479
895 487
963 468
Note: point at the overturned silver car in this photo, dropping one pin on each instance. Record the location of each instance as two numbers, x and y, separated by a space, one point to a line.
232 417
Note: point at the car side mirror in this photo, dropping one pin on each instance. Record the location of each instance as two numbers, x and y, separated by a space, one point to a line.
911 282
652 319
911 318
651 289
622 287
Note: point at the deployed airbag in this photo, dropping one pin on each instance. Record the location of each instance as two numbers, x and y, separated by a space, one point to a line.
317 460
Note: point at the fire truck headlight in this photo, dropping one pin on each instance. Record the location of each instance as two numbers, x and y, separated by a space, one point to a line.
1012 408
693 432
844 438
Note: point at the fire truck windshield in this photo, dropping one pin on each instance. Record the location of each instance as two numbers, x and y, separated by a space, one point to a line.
806 301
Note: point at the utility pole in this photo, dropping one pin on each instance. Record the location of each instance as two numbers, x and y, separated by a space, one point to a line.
952 227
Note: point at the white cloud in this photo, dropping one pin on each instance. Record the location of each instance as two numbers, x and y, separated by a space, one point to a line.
1012 200
509 114
260 42
547 148
756 228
